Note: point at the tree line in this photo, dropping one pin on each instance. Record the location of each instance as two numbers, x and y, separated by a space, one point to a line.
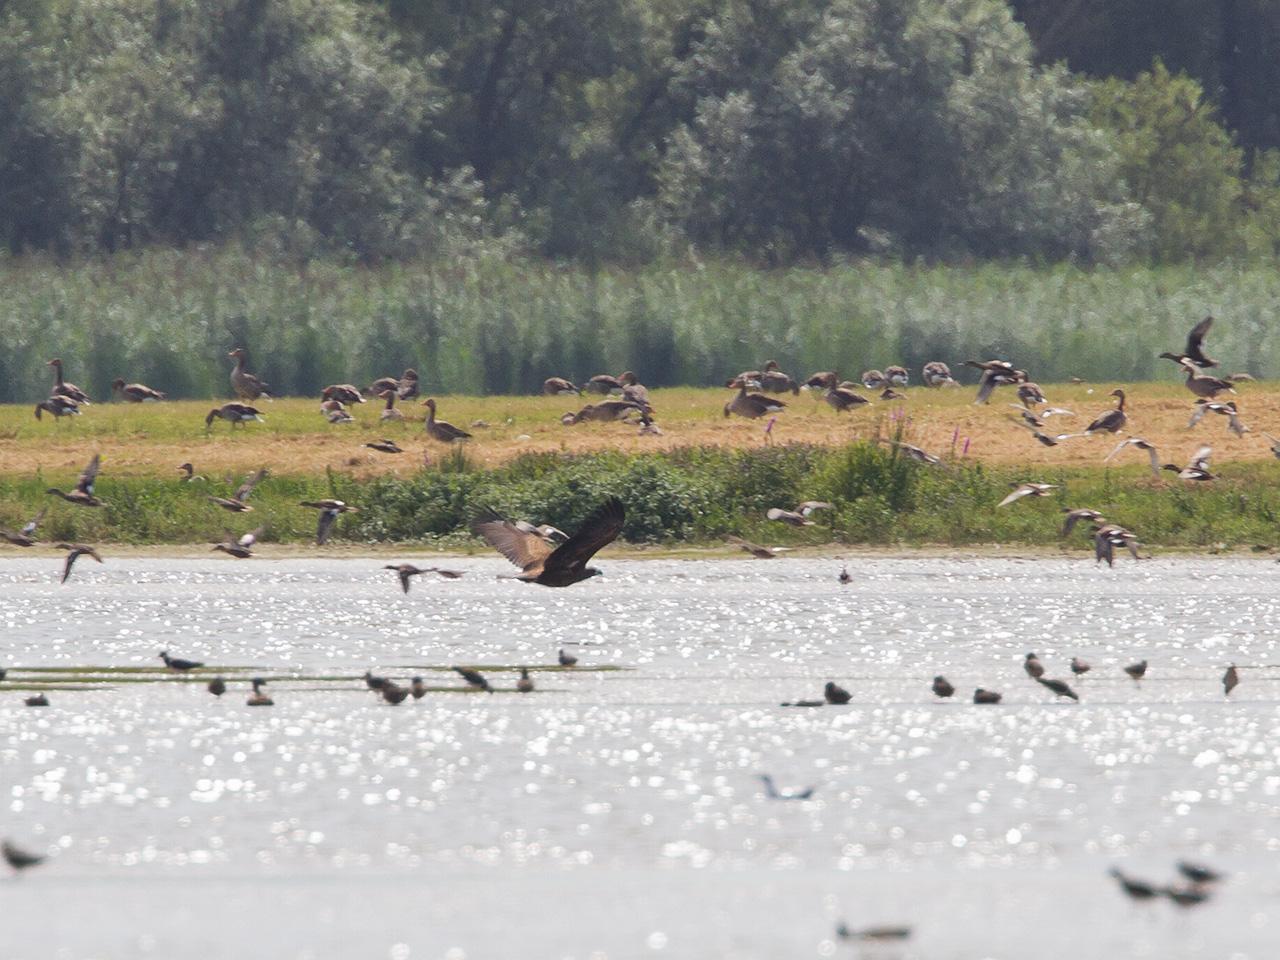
623 130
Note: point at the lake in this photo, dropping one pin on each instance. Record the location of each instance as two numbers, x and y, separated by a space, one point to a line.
616 812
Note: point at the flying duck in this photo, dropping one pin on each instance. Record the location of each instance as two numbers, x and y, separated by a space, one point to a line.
236 502
1194 353
1197 467
82 495
553 566
1203 385
329 511
242 548
1107 537
26 536
1027 490
1227 409
799 517
75 552
407 570
1075 516
1139 444
757 551
773 793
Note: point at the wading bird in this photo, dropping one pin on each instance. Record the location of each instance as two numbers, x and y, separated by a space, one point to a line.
1079 667
549 566
1033 666
258 698
1137 670
566 659
525 683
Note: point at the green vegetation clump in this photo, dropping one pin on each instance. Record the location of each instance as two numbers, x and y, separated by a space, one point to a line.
692 496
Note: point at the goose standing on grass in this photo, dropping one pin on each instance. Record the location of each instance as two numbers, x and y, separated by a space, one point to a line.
406 571
751 405
935 373
245 384
874 380
82 495
1203 385
63 389
1194 353
606 411
58 406
408 385
898 376
258 698
773 380
329 511
604 384
188 472
135 392
233 413
439 429
236 502
344 393
75 552
559 387
1140 444
26 536
1112 420
841 399
1028 490
553 566
241 549
389 412
335 412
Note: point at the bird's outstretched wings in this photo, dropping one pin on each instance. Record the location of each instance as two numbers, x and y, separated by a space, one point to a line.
599 529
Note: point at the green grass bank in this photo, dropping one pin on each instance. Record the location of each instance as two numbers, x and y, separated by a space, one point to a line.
690 496
486 326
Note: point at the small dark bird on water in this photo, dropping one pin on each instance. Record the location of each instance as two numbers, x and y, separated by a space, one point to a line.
39 700
836 694
1135 889
1078 666
1198 874
566 659
258 698
941 688
773 793
1033 666
872 933
525 683
1230 680
417 688
3 673
804 703
1186 896
217 686
393 693
1058 686
844 576
474 678
19 859
986 696
177 663
375 683
1137 670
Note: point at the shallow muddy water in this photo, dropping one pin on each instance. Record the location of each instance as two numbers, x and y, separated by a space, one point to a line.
616 812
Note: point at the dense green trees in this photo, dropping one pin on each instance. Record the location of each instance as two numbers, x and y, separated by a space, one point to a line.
616 129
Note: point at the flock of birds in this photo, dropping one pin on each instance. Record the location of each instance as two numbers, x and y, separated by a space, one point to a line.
550 557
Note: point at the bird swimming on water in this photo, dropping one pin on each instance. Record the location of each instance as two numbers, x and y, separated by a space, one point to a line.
941 687
258 698
177 663
1137 670
1230 680
986 696
566 659
1135 889
834 693
1059 687
525 683
1079 667
39 700
1033 666
18 858
217 686
475 679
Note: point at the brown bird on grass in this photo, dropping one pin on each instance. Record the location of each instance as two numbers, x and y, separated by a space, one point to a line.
236 502
1137 670
83 495
935 373
441 430
389 412
329 512
841 399
558 386
1230 680
234 413
986 696
18 858
406 571
242 548
544 564
342 392
475 679
834 693
135 392
336 413
63 389
1112 420
753 406
385 445
26 536
75 552
58 406
1194 353
245 384
941 688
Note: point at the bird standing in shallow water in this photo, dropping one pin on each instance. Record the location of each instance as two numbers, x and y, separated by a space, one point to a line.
941 688
1033 666
1079 667
844 577
258 698
393 693
834 693
566 659
986 696
177 663
1137 670
1057 686
217 686
39 700
1230 680
475 679
525 683
417 688
19 859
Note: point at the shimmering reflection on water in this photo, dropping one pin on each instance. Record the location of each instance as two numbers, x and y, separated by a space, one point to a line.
617 814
